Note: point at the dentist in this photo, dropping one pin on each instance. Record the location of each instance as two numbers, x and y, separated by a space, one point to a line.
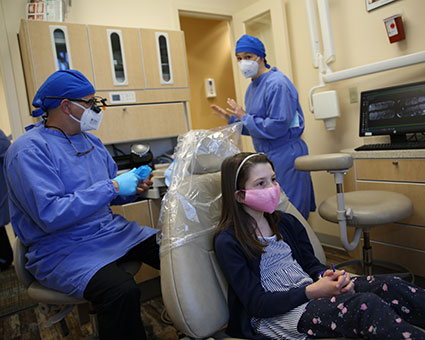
61 182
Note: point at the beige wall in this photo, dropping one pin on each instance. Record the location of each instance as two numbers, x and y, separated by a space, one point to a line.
4 117
10 64
359 38
204 38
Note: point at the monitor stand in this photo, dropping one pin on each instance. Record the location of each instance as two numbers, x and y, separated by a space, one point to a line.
398 139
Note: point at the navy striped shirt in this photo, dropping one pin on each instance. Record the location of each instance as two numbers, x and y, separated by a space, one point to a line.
280 272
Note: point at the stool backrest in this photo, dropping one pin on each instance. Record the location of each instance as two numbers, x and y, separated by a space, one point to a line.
19 261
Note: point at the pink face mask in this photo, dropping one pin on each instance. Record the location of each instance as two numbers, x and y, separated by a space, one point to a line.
263 199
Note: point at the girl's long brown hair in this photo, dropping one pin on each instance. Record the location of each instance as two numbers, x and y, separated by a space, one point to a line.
233 215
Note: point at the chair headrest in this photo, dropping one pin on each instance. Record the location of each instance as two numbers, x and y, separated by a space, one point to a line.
209 155
203 151
192 203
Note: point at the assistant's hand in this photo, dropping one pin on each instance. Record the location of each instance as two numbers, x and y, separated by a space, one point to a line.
127 183
237 110
220 112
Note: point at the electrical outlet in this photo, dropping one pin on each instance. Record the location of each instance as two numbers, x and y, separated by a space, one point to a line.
354 95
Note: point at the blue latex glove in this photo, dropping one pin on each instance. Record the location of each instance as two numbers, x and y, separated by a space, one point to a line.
167 174
127 183
142 171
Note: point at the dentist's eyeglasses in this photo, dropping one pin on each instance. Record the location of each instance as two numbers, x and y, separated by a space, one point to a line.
81 153
78 153
96 103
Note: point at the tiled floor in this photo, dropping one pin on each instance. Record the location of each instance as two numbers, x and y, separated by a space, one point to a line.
29 324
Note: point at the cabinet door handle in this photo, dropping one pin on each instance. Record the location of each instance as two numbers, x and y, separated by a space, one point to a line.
395 162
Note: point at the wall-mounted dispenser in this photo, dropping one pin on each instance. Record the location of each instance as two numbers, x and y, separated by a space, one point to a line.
326 108
210 88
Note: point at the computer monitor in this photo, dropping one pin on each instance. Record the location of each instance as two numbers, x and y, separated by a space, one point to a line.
395 111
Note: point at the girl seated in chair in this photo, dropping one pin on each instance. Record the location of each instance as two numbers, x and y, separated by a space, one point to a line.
278 289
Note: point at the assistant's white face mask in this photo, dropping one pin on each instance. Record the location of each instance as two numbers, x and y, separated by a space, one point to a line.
249 68
90 120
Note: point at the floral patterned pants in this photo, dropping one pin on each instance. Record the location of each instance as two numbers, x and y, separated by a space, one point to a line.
383 307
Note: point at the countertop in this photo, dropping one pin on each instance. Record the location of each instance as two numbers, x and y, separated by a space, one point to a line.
383 154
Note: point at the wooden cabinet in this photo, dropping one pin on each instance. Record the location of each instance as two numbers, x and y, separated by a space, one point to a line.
402 242
145 213
129 123
117 58
128 66
164 57
48 46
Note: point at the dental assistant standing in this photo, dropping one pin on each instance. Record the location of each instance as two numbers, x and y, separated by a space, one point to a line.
274 120
61 182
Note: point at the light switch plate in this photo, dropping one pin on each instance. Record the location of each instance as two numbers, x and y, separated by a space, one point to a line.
354 95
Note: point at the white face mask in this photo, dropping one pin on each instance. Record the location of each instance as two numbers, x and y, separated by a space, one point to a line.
249 68
90 120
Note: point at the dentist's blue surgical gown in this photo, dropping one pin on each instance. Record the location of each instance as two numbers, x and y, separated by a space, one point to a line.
60 208
275 121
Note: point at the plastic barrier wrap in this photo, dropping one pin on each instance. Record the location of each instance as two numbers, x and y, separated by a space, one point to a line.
192 205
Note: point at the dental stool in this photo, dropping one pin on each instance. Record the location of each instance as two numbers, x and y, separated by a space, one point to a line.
49 299
362 210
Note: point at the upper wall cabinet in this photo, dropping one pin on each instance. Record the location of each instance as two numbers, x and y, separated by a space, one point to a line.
164 58
47 47
117 58
126 65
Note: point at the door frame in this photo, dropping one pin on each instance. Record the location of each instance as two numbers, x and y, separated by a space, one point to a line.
224 17
279 23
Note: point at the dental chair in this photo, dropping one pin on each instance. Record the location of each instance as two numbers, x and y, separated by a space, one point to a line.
52 300
194 289
362 210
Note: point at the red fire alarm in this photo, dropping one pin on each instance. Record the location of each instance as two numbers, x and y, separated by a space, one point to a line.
395 29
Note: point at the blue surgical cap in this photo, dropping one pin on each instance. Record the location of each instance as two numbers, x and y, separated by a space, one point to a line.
248 43
63 83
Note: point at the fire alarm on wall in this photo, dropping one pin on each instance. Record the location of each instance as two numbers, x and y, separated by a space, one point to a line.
395 29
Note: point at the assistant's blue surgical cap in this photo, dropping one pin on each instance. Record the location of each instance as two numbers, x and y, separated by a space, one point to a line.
248 43
63 83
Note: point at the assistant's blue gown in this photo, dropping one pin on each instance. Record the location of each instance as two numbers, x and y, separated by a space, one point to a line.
275 121
60 208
